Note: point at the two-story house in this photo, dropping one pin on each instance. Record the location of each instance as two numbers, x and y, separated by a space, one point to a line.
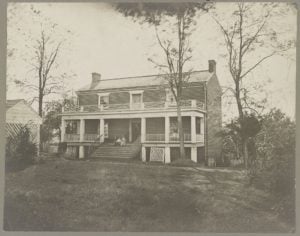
143 111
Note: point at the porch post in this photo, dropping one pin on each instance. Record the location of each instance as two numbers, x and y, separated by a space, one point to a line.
143 154
62 130
167 155
194 154
202 120
193 129
101 130
81 151
167 129
81 138
81 130
130 131
143 129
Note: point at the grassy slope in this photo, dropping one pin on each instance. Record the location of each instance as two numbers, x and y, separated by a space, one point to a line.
102 196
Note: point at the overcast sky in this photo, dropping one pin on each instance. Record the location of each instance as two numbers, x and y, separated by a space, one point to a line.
104 41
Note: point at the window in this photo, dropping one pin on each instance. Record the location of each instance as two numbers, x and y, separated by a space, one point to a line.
71 127
169 96
103 99
136 98
198 125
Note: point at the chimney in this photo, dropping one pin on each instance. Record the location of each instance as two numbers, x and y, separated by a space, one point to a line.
212 66
96 77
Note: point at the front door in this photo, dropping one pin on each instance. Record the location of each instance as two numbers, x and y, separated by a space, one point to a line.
136 130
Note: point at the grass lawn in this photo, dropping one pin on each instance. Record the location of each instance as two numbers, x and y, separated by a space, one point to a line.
62 195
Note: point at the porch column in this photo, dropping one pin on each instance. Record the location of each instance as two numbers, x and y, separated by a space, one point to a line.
193 129
81 138
194 154
130 131
202 125
167 155
63 130
143 129
167 129
101 130
81 130
143 154
81 151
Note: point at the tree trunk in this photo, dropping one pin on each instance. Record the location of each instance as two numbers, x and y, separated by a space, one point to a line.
180 131
244 141
245 153
41 115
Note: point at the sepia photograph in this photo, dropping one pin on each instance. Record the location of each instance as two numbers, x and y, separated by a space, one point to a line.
150 117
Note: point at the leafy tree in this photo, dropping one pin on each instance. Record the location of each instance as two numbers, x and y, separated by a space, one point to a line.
233 132
249 41
275 145
173 24
52 121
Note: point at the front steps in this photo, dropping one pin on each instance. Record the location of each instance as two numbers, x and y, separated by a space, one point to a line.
109 151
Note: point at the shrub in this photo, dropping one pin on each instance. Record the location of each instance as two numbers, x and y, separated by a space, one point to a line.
20 150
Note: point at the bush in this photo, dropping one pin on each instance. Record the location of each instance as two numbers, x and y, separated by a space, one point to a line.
20 150
275 163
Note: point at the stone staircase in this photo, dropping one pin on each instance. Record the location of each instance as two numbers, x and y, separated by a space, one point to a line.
110 151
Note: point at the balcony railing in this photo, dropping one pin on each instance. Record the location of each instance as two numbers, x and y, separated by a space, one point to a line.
185 104
200 138
175 137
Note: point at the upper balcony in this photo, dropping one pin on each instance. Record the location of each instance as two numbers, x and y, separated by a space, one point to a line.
161 105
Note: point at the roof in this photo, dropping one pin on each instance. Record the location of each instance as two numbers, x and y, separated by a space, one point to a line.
11 103
141 81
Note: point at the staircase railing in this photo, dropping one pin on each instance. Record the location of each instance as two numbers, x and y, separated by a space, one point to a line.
92 148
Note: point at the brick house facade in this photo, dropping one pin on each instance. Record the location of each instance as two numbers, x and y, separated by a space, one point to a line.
142 110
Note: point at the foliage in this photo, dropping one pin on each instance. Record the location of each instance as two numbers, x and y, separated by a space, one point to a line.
20 150
233 133
52 119
249 41
275 147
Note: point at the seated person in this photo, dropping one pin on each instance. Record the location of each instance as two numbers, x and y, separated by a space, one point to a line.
123 141
118 141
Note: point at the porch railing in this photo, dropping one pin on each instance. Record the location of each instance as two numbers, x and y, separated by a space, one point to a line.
185 104
200 138
71 137
155 137
91 137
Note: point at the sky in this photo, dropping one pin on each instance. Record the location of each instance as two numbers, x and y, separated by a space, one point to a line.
104 41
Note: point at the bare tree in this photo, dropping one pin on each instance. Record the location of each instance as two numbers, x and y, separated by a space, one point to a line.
246 40
179 19
40 53
43 64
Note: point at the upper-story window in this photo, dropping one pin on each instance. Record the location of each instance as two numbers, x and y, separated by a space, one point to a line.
103 99
136 99
169 96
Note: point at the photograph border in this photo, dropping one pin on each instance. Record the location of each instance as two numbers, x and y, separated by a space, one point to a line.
3 45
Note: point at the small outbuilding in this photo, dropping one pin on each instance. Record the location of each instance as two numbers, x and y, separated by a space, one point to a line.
20 113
